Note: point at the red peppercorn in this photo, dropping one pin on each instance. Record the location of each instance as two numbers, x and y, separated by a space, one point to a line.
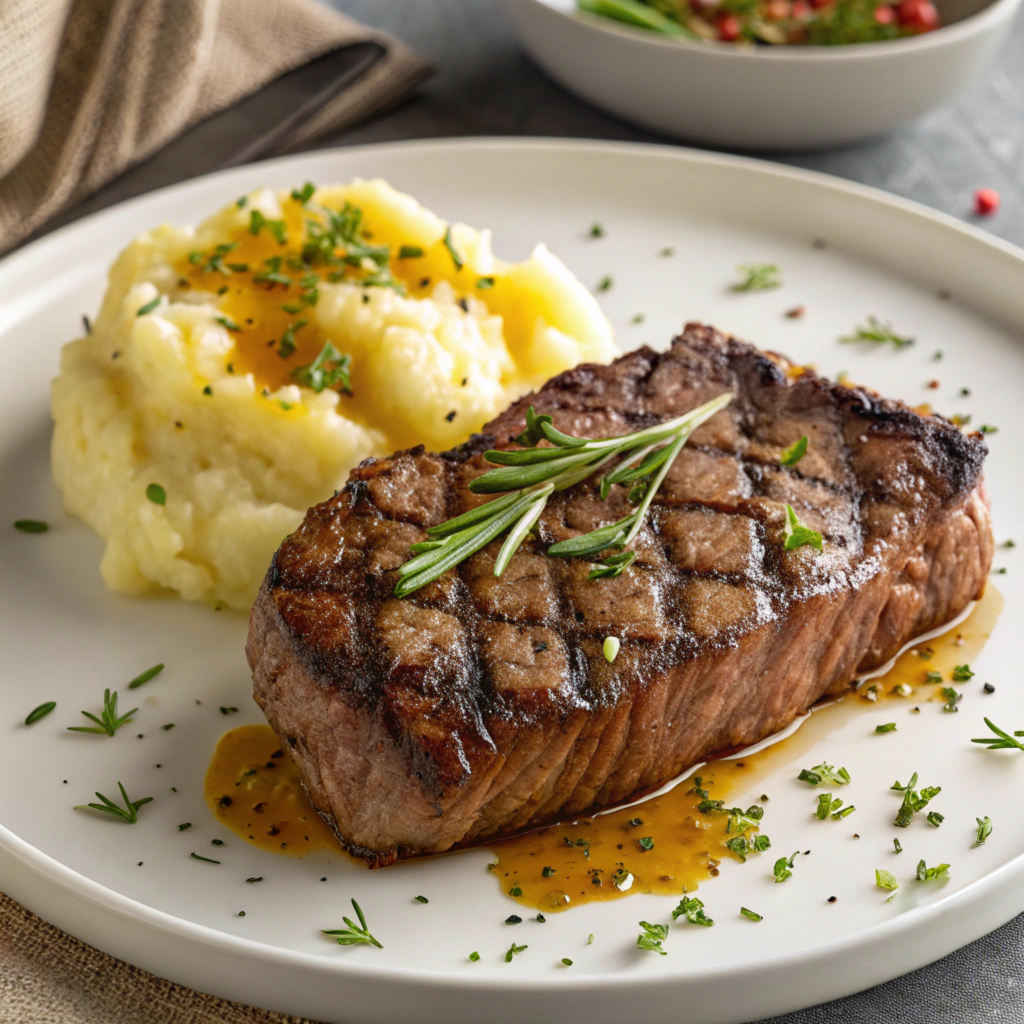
918 15
986 202
885 15
729 28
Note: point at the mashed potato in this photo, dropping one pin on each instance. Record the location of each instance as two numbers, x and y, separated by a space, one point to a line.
237 371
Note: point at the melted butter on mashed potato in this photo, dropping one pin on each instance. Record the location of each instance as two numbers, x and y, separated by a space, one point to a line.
245 366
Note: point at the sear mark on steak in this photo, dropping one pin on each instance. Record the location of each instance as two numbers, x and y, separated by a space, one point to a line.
479 707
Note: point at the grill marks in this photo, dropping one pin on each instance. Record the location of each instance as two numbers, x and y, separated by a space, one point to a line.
485 705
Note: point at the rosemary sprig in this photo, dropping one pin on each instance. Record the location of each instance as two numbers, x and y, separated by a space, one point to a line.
533 474
1002 740
130 811
879 332
758 277
109 721
354 933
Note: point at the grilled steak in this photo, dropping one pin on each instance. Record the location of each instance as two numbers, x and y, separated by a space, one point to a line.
482 706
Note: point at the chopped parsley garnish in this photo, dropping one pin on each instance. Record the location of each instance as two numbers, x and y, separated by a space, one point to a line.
962 673
886 727
421 899
985 428
984 830
597 230
286 346
605 283
751 915
758 277
452 251
109 721
637 318
354 933
926 653
304 194
652 936
798 533
148 307
784 867
31 525
693 910
933 677
228 323
896 846
410 252
474 956
794 453
144 677
952 698
827 805
927 874
128 813
1002 740
514 950
934 818
566 961
330 369
484 283
208 860
885 879
912 800
548 872
824 772
184 826
647 843
257 222
515 890
40 712
156 494
878 332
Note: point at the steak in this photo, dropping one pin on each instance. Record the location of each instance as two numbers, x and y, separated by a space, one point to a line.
479 706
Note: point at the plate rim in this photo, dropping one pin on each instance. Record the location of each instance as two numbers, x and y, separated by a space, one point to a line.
911 920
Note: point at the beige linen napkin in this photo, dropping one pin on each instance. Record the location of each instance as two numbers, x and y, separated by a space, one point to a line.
47 977
92 87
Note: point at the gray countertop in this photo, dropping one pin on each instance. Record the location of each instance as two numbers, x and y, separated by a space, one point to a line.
485 85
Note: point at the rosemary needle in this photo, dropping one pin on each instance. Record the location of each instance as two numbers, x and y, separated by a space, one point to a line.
354 933
109 721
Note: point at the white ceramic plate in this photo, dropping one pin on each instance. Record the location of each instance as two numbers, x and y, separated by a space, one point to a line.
65 638
771 97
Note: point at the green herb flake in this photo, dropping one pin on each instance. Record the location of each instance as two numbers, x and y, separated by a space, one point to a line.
410 252
40 712
597 230
515 890
962 673
927 874
156 494
31 526
935 819
646 843
184 826
453 252
548 872
330 369
144 677
228 323
514 950
652 936
794 453
751 915
885 879
886 727
952 698
933 677
207 860
984 830
303 195
896 846
421 899
784 867
693 910
798 533
484 283
566 961
474 956
824 772
148 307
758 277
605 283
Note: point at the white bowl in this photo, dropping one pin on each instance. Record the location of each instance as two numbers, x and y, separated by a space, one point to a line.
769 98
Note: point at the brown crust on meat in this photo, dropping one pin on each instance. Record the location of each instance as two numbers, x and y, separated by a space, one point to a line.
479 707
